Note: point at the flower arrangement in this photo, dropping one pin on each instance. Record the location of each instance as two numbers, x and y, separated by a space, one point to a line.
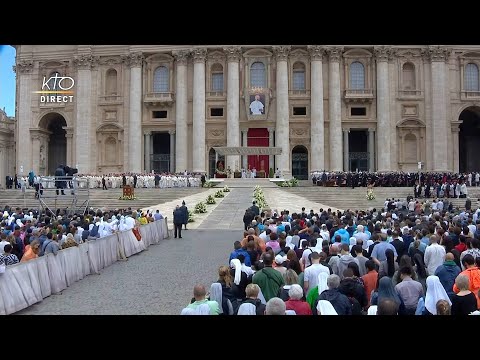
200 208
293 182
285 184
127 197
226 189
259 197
208 184
370 195
190 217
219 194
210 200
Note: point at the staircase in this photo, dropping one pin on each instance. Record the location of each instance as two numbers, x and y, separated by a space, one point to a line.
100 198
248 183
347 198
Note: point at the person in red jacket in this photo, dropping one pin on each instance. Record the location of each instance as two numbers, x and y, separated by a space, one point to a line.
473 274
296 303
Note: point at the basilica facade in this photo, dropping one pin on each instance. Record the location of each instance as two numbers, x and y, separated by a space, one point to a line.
119 108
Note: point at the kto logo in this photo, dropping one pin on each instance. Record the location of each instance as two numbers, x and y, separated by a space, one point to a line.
56 89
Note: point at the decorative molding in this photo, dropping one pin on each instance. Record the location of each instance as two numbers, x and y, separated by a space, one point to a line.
281 52
234 53
383 53
85 62
110 61
316 52
181 56
134 59
216 133
436 53
299 132
334 53
23 66
199 54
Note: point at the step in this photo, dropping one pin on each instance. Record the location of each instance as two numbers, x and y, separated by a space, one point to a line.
248 183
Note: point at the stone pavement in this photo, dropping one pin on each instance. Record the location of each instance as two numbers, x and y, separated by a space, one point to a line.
166 209
229 214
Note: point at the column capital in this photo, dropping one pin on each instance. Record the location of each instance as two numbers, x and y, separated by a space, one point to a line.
133 59
281 52
234 53
181 56
436 53
371 130
85 62
271 130
334 53
383 53
23 66
171 132
199 55
316 52
147 133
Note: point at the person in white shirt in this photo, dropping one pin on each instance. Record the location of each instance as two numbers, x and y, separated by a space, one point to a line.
324 233
311 273
360 235
411 205
434 255
3 243
434 205
440 205
256 106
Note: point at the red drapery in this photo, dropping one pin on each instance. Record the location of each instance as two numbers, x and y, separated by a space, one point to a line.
258 137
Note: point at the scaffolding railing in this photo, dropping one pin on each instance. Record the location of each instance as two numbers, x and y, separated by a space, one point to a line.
67 194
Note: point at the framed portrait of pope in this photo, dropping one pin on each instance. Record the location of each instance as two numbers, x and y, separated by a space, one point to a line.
257 104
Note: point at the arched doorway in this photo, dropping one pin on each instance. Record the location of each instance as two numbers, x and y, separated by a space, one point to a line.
300 162
54 124
468 140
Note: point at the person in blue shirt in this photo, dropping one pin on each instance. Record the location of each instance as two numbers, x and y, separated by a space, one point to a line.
238 250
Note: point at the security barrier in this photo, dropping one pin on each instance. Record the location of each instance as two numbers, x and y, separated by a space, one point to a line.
25 284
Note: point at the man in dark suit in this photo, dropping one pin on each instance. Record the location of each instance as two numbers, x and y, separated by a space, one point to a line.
255 209
104 185
203 180
177 222
59 182
135 180
185 214
124 180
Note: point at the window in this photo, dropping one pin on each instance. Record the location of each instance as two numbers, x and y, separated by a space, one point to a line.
358 111
216 112
111 82
217 78
159 114
409 76
161 79
471 77
299 111
357 76
298 76
257 75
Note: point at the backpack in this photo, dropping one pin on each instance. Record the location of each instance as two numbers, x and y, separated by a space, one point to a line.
94 231
356 307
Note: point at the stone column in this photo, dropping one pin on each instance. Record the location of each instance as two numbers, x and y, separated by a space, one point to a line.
233 103
24 70
282 132
84 137
271 158
199 110
135 61
383 109
36 155
345 150
438 56
371 150
335 110
146 150
244 141
69 136
317 136
456 165
172 150
181 106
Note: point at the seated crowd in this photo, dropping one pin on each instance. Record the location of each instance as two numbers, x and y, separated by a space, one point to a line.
387 262
26 235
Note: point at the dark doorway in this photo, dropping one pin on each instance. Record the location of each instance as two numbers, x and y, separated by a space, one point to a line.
57 144
211 162
300 162
469 139
358 150
160 159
